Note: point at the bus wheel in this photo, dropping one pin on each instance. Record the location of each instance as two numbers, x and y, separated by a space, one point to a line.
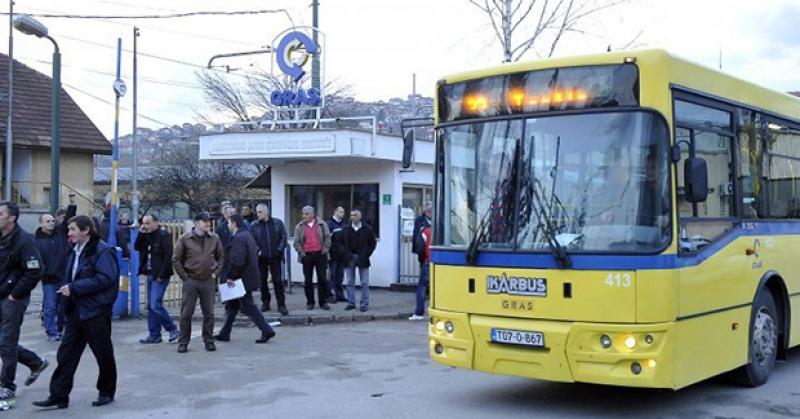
763 347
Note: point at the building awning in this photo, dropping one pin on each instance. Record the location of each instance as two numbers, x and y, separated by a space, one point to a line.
262 181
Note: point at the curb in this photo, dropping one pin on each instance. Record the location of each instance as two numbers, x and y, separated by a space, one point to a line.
310 320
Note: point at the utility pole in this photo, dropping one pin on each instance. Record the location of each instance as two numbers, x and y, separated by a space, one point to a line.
9 129
414 95
315 78
135 198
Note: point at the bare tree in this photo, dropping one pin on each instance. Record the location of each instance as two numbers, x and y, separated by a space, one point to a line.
181 177
539 25
224 96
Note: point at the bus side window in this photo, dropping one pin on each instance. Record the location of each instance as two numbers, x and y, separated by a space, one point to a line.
706 133
751 164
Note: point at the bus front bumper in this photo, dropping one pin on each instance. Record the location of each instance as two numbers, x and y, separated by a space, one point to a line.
637 355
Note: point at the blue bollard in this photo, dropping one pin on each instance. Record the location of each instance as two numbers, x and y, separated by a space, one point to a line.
120 308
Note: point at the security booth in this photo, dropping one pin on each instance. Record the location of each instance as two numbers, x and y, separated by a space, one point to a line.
328 168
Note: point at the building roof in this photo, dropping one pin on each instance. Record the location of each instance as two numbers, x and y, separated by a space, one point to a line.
32 107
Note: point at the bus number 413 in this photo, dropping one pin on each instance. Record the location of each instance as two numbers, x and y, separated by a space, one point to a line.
618 280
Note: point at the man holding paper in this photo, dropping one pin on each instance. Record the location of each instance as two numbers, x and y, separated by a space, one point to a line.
243 266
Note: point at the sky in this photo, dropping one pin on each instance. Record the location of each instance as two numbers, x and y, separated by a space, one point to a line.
374 45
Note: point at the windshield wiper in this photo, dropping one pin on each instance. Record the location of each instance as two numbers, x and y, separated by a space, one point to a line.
471 254
545 224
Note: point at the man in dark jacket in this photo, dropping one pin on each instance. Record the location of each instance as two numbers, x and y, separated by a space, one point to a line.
224 233
338 255
154 245
123 236
53 248
248 214
270 236
361 242
91 289
21 268
243 265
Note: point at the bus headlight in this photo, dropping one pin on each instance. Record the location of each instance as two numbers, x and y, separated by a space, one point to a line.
449 327
605 341
440 325
630 342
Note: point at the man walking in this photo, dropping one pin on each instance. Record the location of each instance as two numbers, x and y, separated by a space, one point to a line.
270 236
198 260
361 242
312 241
91 289
248 214
243 264
154 245
338 255
53 248
21 268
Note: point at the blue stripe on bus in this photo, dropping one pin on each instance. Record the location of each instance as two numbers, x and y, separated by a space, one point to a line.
617 261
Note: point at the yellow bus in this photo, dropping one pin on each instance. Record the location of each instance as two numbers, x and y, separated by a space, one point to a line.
624 218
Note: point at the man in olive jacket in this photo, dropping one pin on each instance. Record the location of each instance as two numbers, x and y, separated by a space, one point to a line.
312 241
198 260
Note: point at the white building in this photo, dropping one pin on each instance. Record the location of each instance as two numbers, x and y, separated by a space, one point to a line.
330 168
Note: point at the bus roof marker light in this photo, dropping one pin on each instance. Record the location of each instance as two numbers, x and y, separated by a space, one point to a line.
630 60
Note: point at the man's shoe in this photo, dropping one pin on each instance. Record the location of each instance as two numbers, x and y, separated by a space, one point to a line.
416 318
53 338
309 306
222 338
150 340
349 307
283 310
341 299
265 337
331 300
173 336
324 306
182 349
210 347
265 307
363 309
7 399
51 402
36 373
102 400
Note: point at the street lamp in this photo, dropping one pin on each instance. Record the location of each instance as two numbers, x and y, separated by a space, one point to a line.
30 26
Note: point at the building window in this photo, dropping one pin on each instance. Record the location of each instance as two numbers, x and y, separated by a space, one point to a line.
415 197
325 198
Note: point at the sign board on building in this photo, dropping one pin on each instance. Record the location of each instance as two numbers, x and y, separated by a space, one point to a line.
258 145
294 51
387 199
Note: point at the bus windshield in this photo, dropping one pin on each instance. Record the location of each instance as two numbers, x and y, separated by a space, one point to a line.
591 182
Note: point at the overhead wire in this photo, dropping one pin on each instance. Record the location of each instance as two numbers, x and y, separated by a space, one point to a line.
163 16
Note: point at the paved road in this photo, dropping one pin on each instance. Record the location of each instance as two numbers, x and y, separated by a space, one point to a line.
377 369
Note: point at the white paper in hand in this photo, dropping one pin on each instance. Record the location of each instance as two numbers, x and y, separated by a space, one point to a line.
228 293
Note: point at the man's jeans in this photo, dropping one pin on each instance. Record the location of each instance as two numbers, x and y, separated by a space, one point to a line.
248 307
363 279
336 270
422 287
53 307
11 316
157 316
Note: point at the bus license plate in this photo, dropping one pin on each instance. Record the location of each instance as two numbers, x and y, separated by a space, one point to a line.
518 337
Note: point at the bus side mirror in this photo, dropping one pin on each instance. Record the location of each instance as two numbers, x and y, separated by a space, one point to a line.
408 148
695 179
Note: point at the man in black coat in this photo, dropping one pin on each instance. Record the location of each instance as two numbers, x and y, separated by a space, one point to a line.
91 289
54 248
270 236
123 236
243 254
338 255
361 242
21 268
154 245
